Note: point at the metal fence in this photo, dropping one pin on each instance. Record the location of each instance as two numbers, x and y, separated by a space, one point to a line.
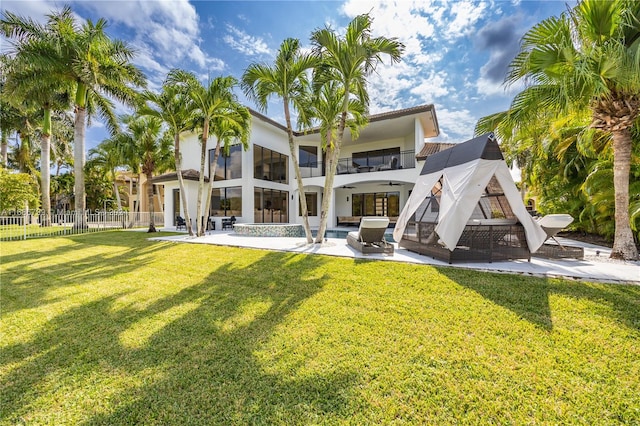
21 225
366 164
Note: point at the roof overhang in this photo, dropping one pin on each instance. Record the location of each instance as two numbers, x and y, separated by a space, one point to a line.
189 174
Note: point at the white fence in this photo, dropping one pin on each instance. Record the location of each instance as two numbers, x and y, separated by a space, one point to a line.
20 225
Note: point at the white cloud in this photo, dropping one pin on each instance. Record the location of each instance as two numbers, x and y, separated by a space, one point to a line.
166 34
432 86
245 43
459 124
465 15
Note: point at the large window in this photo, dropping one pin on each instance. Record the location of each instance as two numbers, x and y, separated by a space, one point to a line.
226 201
376 204
229 166
308 156
375 158
312 204
270 165
271 206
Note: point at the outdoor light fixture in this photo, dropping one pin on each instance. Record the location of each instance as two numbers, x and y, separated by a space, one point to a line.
347 198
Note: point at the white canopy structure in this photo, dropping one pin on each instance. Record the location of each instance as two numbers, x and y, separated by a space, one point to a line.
461 182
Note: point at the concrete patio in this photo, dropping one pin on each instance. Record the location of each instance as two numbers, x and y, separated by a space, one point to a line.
596 265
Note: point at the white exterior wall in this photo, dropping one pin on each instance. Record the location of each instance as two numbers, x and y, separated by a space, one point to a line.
269 136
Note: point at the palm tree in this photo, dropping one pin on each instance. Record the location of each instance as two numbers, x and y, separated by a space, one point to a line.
286 79
326 109
210 104
108 157
227 130
349 60
145 140
172 107
45 94
589 57
86 57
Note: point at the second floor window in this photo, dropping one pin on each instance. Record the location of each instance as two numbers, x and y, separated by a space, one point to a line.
308 156
270 165
228 166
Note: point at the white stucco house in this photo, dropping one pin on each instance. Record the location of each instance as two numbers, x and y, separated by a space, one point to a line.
375 173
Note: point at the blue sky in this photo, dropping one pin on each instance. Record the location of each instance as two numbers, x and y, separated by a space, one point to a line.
456 55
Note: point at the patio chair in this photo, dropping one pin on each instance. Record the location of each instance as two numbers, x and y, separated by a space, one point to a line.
180 223
228 222
551 224
370 236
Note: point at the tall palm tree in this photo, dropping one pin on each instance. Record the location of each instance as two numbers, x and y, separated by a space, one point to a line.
210 104
589 57
234 127
145 140
325 108
349 60
37 88
286 79
88 58
172 106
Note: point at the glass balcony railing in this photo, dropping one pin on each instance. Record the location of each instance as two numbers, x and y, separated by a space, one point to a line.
363 164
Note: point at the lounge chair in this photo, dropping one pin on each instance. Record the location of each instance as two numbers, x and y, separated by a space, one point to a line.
370 236
551 224
180 223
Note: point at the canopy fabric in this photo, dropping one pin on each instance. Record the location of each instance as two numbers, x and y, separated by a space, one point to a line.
466 171
421 190
462 188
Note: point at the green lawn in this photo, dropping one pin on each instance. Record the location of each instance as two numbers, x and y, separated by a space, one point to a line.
110 328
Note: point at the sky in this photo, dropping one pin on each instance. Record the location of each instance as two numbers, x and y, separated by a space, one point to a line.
456 52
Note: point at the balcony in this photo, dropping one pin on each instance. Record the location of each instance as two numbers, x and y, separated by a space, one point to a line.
366 164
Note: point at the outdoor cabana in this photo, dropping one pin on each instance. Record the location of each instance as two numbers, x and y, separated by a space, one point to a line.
466 207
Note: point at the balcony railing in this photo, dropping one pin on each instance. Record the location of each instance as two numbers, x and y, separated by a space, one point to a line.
373 163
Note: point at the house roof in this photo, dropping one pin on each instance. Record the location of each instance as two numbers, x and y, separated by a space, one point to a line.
426 114
189 174
430 148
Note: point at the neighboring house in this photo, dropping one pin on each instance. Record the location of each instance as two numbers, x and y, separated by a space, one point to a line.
375 175
133 190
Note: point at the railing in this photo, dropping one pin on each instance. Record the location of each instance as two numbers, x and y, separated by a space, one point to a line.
20 225
373 163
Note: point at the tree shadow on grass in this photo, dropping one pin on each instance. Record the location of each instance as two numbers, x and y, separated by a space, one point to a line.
205 355
528 297
28 277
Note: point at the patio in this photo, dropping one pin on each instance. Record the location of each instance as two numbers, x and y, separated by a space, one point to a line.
596 265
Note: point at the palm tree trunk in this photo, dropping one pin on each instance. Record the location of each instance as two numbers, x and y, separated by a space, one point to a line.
212 173
203 155
115 190
183 195
331 172
45 178
296 169
623 244
152 221
78 167
327 196
4 145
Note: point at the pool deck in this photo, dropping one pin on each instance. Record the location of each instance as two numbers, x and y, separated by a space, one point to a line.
589 269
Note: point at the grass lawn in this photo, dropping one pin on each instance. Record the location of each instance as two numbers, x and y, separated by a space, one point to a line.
110 328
